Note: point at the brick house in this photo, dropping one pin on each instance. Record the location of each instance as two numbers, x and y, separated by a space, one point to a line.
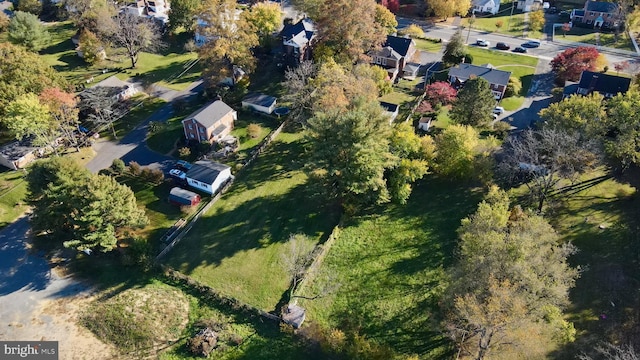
210 123
298 40
396 56
498 79
597 14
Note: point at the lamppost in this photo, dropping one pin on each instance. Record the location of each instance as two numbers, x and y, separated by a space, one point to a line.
509 22
472 19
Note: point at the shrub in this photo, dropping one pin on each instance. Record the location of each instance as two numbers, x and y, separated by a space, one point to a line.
134 168
118 166
501 129
468 58
414 31
156 176
188 209
254 130
156 127
513 87
184 152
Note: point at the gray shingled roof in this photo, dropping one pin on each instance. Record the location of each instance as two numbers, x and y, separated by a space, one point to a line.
602 6
210 114
260 99
493 76
206 171
17 149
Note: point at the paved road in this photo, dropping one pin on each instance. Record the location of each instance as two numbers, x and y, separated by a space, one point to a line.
546 51
133 147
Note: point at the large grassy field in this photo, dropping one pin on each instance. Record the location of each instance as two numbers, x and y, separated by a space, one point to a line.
162 68
236 246
389 265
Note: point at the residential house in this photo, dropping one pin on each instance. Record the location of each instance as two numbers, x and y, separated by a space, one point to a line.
208 176
200 37
390 110
607 85
121 90
210 123
298 40
153 9
486 6
395 56
597 14
498 79
529 5
18 154
260 102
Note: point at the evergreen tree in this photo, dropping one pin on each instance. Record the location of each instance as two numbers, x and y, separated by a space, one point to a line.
25 29
475 103
454 51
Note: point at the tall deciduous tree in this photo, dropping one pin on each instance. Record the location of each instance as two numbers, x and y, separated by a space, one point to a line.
90 46
376 73
386 19
474 104
63 109
89 14
456 149
569 64
31 6
25 29
412 162
133 33
454 51
350 153
442 8
392 5
230 39
536 20
512 272
265 17
81 210
544 158
23 72
347 28
621 128
26 117
300 92
583 114
183 14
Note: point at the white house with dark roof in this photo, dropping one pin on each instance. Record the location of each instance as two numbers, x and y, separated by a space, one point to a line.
298 40
121 90
486 6
209 123
260 102
498 79
394 56
208 176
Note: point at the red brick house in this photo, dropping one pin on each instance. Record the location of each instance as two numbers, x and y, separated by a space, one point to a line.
210 123
498 79
597 14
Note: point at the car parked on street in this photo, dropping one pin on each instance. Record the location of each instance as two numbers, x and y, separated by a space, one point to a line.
531 44
520 49
483 43
502 46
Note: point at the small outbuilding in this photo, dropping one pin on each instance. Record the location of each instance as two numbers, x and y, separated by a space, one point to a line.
181 197
390 110
260 102
208 176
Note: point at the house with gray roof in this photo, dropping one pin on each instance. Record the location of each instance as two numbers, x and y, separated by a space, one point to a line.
498 79
298 40
18 154
260 102
208 176
486 6
394 56
210 123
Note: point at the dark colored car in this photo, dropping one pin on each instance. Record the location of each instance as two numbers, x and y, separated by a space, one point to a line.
502 46
520 49
531 44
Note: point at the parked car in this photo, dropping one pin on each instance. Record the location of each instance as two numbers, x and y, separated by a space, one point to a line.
178 174
520 49
564 15
183 165
483 43
502 46
498 110
531 44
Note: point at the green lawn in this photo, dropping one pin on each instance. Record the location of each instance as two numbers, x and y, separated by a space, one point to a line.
522 67
402 97
13 190
146 107
389 265
428 45
236 246
162 68
512 103
513 28
589 36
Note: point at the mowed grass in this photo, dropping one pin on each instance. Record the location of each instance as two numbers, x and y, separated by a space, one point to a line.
488 24
389 266
520 66
589 36
13 191
235 247
428 45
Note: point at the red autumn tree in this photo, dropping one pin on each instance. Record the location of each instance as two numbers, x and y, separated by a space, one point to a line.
569 64
440 93
621 66
425 107
62 107
392 5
